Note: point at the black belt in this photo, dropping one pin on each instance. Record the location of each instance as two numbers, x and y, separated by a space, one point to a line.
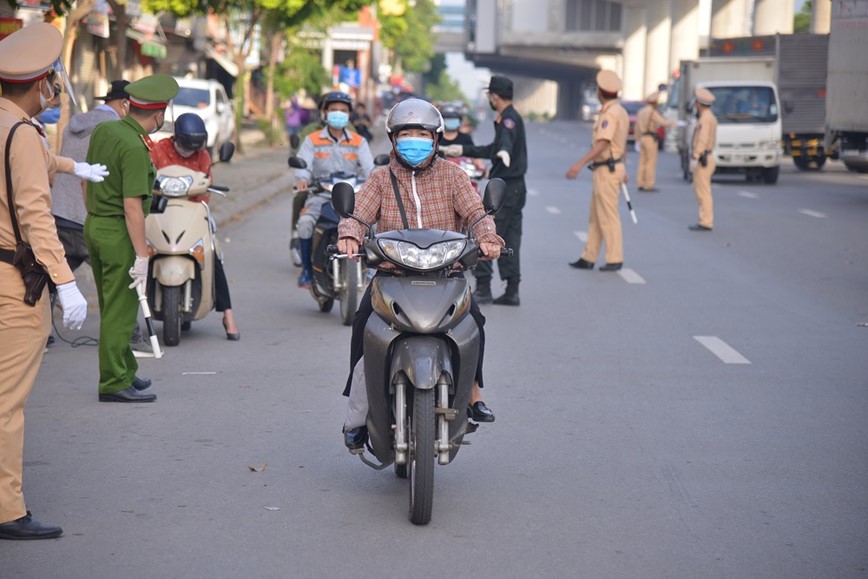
607 163
107 216
649 134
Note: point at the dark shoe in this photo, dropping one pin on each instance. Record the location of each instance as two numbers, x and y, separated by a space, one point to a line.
355 438
480 412
482 295
127 395
611 267
582 264
305 279
650 190
232 336
26 528
141 383
698 227
510 296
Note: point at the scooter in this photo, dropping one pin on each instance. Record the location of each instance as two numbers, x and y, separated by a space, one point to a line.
182 246
421 347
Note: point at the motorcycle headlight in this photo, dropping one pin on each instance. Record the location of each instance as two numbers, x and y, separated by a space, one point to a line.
175 186
413 256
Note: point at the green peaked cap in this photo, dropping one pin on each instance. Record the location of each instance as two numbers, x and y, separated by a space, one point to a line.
157 89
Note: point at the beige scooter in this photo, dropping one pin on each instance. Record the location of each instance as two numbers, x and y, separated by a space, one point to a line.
182 245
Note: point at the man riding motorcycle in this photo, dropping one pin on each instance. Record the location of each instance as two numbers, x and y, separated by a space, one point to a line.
333 149
436 194
187 148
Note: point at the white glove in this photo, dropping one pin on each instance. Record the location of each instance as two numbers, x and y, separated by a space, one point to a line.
681 123
693 163
94 173
74 305
504 156
139 272
453 150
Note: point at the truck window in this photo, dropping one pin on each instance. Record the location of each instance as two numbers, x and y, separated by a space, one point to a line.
744 104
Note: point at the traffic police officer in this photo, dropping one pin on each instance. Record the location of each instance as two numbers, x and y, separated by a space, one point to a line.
508 154
115 231
27 75
609 146
648 120
702 158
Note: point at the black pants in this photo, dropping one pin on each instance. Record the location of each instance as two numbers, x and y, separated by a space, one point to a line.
508 223
221 287
366 309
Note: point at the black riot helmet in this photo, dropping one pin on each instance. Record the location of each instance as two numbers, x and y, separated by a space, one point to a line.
190 132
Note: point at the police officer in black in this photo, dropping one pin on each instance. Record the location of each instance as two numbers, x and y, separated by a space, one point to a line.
508 154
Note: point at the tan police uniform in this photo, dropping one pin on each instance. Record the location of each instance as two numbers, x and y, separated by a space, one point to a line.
648 120
26 55
604 225
704 141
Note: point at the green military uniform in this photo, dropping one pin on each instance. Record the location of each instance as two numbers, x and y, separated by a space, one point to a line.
124 147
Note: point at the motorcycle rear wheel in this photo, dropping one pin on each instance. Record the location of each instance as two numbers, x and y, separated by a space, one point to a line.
350 294
422 440
172 315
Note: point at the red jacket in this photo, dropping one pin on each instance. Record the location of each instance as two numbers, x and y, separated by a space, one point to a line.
163 154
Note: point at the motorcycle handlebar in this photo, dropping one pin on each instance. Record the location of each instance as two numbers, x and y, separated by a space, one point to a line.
504 252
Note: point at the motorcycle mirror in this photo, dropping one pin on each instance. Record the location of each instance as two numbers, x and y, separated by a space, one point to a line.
343 199
381 160
297 163
294 141
495 192
227 150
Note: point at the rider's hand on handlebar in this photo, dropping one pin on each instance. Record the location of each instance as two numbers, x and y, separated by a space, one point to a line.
300 184
349 246
490 250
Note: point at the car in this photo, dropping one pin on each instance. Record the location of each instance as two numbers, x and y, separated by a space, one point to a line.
590 108
206 98
633 108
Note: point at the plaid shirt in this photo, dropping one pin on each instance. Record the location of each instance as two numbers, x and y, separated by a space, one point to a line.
448 202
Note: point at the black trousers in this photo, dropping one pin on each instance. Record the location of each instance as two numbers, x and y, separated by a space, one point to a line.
221 287
366 309
508 223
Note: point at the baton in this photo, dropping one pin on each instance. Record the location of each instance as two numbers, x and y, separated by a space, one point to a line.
629 205
146 312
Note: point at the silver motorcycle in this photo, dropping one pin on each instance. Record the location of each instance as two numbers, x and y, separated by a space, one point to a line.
421 347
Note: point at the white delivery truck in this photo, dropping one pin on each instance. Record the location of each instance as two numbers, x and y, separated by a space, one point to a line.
747 108
847 84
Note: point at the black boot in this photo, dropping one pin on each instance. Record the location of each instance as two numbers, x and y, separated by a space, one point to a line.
482 295
510 297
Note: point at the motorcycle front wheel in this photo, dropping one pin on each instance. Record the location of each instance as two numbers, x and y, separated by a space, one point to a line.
422 429
172 315
350 294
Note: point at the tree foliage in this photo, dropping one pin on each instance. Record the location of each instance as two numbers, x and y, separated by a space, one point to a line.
802 20
409 32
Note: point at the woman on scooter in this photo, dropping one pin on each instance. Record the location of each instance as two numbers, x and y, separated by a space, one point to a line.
187 148
436 194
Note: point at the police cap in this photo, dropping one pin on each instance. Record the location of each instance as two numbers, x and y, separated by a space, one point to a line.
152 92
29 54
653 97
609 82
501 86
704 96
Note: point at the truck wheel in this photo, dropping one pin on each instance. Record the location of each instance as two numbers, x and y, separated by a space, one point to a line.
172 315
819 161
770 175
802 163
856 166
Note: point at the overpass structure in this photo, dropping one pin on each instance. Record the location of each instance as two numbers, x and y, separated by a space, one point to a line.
553 48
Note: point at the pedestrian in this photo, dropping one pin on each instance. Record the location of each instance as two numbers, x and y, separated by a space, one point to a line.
648 120
508 154
294 117
438 195
702 158
606 158
186 148
115 231
27 76
361 121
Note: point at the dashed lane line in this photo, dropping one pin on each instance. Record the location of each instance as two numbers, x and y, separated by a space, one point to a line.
726 353
748 194
812 213
553 210
582 235
630 276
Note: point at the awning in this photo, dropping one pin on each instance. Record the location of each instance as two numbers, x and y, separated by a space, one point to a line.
152 46
225 62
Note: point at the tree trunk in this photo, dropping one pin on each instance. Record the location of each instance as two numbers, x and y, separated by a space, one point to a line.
123 21
70 33
276 42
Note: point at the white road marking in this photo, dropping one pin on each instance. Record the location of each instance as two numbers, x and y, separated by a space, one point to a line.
726 353
748 194
532 192
630 276
812 213
582 235
553 210
198 373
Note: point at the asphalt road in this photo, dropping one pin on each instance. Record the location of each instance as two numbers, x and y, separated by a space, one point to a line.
700 414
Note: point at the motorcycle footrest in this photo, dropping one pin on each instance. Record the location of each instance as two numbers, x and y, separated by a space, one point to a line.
448 413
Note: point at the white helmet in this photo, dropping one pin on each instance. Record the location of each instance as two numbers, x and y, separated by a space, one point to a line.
414 114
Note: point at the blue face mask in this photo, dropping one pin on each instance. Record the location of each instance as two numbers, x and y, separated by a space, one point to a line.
452 124
414 150
337 119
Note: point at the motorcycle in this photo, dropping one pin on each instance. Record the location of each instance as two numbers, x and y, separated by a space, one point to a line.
182 246
333 279
421 348
473 171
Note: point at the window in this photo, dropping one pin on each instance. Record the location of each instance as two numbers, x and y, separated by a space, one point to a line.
593 16
748 104
197 98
